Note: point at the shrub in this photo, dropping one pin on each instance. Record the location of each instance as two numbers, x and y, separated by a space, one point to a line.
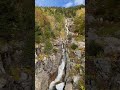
48 47
74 46
69 37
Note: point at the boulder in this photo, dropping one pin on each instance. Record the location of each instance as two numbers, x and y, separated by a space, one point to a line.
41 81
69 86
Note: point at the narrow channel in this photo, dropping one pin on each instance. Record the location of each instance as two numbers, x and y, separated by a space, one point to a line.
58 84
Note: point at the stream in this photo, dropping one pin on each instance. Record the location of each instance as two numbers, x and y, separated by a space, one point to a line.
58 83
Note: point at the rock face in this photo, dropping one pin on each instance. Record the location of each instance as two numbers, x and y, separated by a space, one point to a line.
69 86
41 81
46 71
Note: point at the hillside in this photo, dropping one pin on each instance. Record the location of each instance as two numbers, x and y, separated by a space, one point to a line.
50 22
59 43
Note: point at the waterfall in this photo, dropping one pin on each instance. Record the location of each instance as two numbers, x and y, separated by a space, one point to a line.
60 73
60 86
58 83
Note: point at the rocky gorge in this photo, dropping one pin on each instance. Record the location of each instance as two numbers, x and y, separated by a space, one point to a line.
60 71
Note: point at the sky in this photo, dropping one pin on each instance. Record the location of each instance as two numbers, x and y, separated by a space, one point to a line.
58 3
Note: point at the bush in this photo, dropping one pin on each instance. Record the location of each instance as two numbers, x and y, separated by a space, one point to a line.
80 22
48 47
38 33
69 37
74 46
55 50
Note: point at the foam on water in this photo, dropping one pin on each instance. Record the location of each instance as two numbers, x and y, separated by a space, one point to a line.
60 86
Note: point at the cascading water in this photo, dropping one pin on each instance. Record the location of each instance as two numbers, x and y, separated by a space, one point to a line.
58 84
61 68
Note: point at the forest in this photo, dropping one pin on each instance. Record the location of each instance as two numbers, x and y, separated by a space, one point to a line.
49 22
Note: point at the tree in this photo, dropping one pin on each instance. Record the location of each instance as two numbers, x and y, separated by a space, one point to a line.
80 21
38 33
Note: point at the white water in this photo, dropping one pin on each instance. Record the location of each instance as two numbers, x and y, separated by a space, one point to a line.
61 68
60 73
60 86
